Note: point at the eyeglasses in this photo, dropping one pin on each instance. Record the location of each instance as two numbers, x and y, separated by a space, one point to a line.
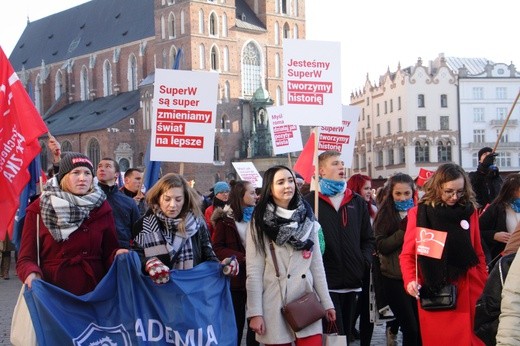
451 193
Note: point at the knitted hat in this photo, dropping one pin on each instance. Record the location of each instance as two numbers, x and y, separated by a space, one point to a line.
483 151
71 161
221 186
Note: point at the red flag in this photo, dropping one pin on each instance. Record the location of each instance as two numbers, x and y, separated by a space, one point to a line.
430 242
423 176
305 163
20 127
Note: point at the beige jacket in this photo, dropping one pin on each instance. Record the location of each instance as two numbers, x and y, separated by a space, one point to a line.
297 276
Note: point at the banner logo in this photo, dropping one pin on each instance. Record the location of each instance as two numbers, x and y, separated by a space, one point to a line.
95 335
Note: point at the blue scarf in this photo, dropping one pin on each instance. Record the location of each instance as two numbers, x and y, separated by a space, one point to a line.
404 205
247 212
515 205
330 187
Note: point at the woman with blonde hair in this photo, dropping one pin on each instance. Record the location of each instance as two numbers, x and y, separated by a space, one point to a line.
448 205
74 225
173 233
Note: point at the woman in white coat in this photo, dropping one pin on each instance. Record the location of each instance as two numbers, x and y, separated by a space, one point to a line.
283 218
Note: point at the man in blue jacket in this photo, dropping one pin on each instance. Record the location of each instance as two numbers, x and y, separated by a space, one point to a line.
124 208
349 239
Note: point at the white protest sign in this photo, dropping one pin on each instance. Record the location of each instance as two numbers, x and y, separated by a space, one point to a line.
248 172
340 138
286 138
183 119
312 82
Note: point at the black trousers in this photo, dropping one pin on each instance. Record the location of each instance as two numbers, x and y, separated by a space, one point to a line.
345 306
404 307
239 299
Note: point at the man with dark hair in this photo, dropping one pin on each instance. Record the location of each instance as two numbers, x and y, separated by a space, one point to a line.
486 181
124 209
133 184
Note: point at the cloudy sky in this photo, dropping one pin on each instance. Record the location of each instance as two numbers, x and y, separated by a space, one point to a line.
375 35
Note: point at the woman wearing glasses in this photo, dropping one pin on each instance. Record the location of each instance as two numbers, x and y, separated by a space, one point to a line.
448 205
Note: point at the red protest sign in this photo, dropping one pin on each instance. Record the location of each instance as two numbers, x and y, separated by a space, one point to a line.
430 242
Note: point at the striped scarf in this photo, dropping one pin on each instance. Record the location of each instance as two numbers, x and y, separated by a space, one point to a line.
63 212
160 236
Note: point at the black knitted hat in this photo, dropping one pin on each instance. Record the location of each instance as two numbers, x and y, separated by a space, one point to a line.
71 161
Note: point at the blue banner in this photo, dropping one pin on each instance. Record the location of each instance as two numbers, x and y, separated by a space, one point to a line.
127 308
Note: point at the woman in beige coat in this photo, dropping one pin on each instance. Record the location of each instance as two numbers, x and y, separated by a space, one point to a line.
283 218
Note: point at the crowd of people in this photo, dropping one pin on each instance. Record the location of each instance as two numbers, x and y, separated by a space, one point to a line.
355 247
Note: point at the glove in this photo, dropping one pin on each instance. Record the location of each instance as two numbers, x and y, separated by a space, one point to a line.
489 160
158 271
230 266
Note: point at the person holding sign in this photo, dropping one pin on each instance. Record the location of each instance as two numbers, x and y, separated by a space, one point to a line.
348 234
284 225
389 227
448 207
173 233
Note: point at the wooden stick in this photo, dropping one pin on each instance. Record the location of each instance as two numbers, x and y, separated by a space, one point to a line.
289 160
505 122
316 173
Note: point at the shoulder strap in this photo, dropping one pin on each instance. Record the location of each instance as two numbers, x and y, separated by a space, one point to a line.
275 262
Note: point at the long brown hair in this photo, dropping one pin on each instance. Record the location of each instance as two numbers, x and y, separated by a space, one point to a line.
445 173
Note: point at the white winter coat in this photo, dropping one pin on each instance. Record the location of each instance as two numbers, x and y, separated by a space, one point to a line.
508 327
297 276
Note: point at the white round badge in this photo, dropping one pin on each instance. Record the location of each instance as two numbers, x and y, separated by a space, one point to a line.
464 224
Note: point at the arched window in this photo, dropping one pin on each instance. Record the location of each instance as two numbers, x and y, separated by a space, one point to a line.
422 152
277 6
295 8
171 25
226 91
444 151
276 33
183 22
224 123
124 165
213 24
58 85
132 72
216 152
163 28
214 59
66 146
201 21
107 78
225 58
224 25
84 84
277 65
278 96
251 69
402 154
202 57
173 56
295 31
165 59
93 151
286 31
38 94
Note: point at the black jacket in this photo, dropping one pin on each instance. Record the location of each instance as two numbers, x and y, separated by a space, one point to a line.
125 213
487 311
493 220
485 185
349 239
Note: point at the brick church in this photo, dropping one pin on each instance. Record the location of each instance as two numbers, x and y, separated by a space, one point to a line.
90 72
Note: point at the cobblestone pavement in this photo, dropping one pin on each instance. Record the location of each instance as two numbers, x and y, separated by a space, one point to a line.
9 290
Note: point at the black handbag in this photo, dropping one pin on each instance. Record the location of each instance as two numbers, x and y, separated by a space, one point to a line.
444 298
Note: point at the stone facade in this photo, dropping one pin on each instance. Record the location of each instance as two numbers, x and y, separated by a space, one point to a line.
212 35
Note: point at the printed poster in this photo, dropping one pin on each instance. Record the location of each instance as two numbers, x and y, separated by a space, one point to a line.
340 138
248 172
312 82
286 137
183 119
